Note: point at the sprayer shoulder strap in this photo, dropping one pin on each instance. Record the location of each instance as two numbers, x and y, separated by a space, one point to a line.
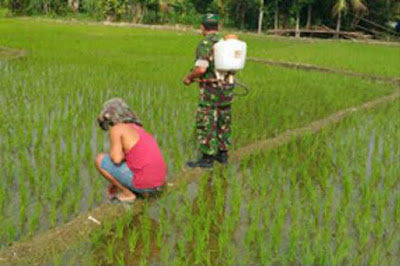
205 48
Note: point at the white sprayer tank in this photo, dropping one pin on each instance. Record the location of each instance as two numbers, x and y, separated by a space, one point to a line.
230 55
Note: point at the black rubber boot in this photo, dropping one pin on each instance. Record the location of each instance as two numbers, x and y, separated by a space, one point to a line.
222 157
206 161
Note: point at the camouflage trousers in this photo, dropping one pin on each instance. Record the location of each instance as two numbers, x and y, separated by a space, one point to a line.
213 126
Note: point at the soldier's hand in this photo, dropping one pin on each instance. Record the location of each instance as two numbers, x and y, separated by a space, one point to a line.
187 81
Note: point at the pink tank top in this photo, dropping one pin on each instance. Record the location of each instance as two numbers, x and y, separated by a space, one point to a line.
146 162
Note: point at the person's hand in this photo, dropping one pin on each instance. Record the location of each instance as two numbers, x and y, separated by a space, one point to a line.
187 81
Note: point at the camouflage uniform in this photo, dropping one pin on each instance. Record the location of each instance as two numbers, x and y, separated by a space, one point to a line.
213 119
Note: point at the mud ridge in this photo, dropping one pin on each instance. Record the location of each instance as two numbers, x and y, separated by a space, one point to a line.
313 127
308 67
10 53
43 247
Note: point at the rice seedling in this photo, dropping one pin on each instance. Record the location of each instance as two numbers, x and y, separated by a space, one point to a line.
119 228
110 250
121 258
34 220
320 199
133 238
319 53
145 234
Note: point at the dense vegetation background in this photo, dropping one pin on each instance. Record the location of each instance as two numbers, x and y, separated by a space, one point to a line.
243 14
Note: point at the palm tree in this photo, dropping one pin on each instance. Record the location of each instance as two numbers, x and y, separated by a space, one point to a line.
296 7
276 15
309 13
341 6
261 16
166 6
74 5
239 10
221 5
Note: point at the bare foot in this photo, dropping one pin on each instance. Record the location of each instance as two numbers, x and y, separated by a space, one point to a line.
111 191
126 197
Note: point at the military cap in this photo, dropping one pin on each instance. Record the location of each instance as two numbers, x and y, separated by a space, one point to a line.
210 19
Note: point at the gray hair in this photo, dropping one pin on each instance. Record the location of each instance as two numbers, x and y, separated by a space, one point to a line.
117 111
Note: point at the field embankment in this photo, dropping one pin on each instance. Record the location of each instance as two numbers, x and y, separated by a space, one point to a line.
52 98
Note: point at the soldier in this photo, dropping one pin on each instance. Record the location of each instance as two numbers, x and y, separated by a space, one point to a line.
213 118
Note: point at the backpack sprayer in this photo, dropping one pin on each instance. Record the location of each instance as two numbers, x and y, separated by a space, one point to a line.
229 57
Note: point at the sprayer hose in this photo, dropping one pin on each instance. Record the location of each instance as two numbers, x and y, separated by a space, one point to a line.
241 85
236 85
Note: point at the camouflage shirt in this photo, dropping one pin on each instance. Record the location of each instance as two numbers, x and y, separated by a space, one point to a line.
210 93
205 51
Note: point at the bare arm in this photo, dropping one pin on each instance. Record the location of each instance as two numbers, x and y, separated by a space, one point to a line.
197 72
116 150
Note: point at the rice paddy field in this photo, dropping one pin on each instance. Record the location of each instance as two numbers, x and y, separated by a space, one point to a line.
330 197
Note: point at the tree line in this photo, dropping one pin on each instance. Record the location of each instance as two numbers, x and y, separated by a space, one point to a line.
243 14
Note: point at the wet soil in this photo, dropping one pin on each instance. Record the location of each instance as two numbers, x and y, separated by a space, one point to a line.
43 247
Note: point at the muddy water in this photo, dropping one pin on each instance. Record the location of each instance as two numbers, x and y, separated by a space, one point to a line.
94 253
3 66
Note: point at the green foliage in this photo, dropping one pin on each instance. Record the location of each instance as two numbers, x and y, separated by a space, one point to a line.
241 14
202 6
286 219
310 201
4 12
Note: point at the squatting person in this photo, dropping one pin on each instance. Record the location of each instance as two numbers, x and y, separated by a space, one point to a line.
135 164
213 118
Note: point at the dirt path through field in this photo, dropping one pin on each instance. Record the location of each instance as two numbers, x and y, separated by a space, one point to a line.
308 67
43 247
